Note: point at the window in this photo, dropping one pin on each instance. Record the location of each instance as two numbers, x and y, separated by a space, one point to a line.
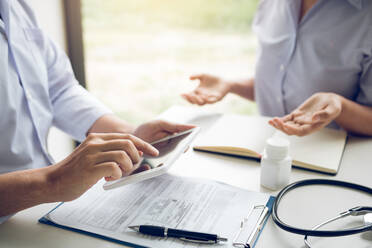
140 54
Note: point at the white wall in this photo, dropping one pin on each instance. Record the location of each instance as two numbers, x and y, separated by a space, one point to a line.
50 15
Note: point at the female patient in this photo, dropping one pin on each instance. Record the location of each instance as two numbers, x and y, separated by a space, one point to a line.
314 67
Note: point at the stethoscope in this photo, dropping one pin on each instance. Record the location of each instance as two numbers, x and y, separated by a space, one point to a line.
356 211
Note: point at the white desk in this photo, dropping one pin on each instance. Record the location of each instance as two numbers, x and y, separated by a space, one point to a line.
23 230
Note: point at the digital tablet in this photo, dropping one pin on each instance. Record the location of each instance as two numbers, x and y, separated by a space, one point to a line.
170 148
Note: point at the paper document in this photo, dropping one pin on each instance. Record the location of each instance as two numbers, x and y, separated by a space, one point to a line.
167 200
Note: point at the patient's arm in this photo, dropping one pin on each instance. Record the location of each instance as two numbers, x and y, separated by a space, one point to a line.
355 118
243 88
321 109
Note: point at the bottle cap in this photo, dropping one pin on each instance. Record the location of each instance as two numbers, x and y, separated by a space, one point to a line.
277 148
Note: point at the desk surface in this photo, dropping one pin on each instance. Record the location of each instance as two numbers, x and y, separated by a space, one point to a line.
23 230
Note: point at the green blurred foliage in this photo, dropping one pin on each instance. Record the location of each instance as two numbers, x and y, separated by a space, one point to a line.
140 53
228 15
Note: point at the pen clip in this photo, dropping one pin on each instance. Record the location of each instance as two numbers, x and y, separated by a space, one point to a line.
199 241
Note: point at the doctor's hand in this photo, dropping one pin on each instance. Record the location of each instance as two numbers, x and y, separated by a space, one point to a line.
158 129
211 89
315 113
108 155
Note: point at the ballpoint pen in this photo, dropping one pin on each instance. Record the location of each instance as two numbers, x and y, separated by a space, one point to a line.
196 237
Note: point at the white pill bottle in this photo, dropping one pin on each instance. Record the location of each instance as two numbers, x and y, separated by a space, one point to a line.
276 164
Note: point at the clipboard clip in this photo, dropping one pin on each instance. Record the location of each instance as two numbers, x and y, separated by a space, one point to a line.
243 242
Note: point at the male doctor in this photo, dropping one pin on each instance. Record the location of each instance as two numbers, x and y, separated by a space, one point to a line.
38 90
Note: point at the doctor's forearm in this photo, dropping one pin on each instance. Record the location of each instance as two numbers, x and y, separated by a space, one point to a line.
243 88
23 189
110 123
355 118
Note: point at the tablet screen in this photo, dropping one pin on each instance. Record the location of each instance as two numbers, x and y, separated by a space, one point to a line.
166 148
170 148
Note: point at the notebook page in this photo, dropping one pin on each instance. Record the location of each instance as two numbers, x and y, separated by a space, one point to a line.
238 131
166 200
322 149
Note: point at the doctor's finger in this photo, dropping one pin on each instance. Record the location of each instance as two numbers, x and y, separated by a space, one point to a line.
143 146
119 157
109 170
141 168
138 143
125 145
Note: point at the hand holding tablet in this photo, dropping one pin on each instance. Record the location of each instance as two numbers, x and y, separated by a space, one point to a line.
170 148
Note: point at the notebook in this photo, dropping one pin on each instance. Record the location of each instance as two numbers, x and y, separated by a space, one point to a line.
167 200
246 136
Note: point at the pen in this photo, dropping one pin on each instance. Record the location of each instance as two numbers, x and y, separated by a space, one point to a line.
196 237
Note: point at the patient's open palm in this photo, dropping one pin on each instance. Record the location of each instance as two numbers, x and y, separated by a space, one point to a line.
315 113
211 89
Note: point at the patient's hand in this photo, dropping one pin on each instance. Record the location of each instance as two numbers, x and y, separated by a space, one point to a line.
315 113
211 89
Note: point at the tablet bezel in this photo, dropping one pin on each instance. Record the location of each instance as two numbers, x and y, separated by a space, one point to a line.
159 170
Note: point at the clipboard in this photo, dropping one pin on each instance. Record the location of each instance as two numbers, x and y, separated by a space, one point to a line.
44 220
242 241
246 233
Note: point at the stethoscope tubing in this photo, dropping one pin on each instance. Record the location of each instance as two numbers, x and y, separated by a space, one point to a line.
318 233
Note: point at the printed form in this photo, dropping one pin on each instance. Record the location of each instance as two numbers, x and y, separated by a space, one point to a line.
167 200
